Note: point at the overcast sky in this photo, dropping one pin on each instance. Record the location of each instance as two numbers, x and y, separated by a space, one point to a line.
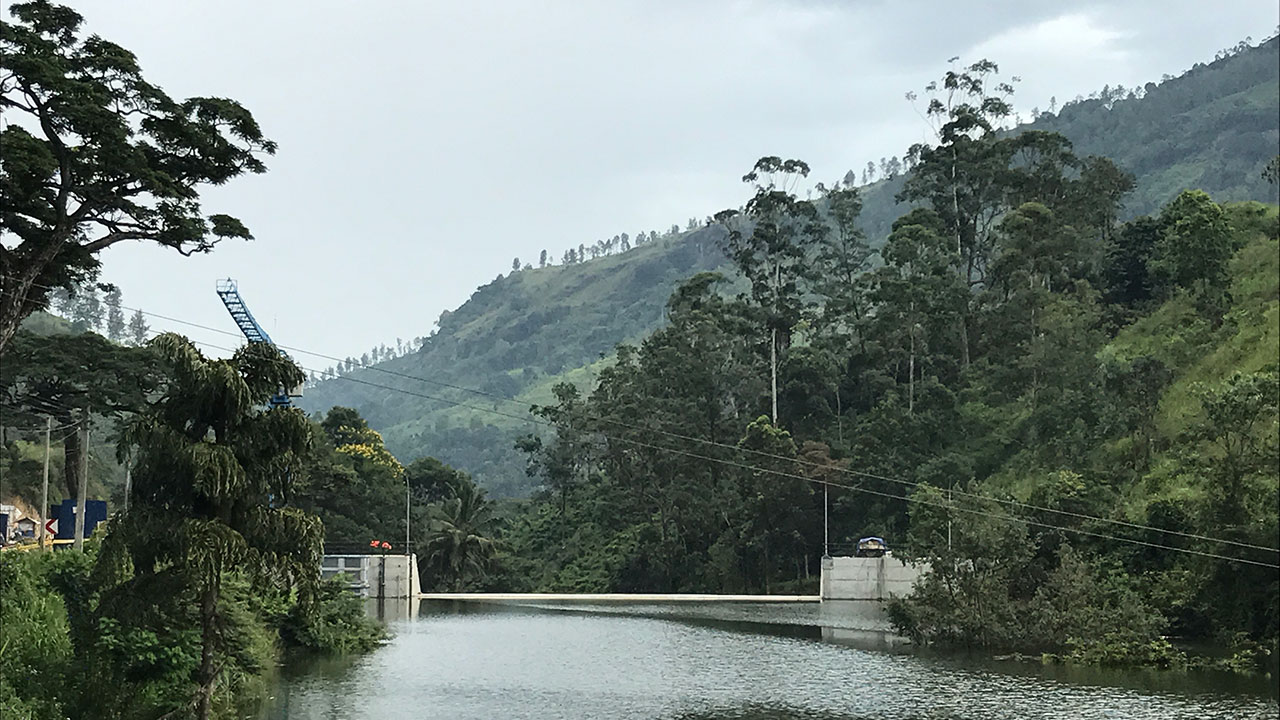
423 145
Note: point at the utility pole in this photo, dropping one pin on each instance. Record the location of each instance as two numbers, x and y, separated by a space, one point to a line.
949 489
83 491
826 538
44 495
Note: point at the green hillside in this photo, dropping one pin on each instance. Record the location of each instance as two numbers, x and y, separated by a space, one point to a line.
512 340
1213 128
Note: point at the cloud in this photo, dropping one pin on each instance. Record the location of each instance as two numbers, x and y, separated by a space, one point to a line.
423 145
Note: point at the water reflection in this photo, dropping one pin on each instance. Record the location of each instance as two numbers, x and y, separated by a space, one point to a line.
711 662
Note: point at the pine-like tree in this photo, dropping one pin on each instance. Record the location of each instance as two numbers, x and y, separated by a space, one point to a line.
115 318
137 329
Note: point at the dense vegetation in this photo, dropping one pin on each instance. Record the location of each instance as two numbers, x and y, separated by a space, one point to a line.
1212 128
1068 409
181 603
230 577
95 155
1072 419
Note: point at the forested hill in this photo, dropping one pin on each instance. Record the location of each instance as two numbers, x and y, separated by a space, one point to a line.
1213 128
512 340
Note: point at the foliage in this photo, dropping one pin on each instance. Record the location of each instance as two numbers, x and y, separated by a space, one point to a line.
459 548
229 577
35 648
332 622
67 376
350 480
209 457
102 156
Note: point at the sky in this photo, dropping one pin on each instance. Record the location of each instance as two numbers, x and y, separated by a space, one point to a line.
423 145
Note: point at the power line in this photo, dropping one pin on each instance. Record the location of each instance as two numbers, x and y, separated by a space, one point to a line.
38 428
689 438
45 407
854 488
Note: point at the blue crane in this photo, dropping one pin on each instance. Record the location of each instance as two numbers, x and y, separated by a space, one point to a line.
254 332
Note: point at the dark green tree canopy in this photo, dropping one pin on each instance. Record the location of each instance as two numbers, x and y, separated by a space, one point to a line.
96 155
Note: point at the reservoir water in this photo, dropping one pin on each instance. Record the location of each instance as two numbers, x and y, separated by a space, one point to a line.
715 662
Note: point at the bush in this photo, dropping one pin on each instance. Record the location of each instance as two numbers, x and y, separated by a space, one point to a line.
35 640
331 622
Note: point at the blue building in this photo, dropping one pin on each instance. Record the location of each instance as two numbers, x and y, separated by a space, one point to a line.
95 511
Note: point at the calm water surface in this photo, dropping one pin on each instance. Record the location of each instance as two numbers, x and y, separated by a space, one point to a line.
713 662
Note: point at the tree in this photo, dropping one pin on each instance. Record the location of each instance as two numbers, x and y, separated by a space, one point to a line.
87 313
210 455
101 156
459 546
115 318
138 329
74 377
1234 452
1195 244
1129 257
62 301
917 295
839 262
1271 173
959 177
774 505
774 255
515 264
542 259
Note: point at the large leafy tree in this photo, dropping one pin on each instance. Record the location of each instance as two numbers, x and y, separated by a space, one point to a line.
839 263
95 155
351 481
1195 244
770 242
210 456
918 298
72 377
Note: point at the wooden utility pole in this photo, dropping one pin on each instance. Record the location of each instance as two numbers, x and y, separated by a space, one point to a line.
44 495
82 491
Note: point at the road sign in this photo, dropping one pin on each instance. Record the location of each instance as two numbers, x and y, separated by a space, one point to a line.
51 527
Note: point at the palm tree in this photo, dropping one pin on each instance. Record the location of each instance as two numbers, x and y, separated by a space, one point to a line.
459 547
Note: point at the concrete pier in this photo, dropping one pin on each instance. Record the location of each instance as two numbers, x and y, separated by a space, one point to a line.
866 578
375 576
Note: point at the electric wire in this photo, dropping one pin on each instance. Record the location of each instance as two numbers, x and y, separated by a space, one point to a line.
819 481
687 438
